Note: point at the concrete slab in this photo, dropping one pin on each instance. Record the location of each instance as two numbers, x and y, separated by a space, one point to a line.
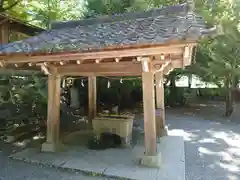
32 155
25 154
132 171
122 163
86 160
173 158
92 165
172 151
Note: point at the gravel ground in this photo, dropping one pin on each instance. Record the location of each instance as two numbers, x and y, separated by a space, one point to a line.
212 151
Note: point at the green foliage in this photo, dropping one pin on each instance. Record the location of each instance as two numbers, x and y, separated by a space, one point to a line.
106 7
216 61
25 98
43 12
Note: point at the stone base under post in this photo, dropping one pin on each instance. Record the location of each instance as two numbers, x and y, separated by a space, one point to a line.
152 161
51 147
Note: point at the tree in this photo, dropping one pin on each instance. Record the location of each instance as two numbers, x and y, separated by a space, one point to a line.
8 4
218 59
225 63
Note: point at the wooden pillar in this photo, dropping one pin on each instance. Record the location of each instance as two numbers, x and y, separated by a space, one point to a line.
160 117
149 113
4 36
92 98
53 117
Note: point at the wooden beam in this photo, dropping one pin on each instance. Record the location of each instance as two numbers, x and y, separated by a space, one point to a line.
101 68
92 99
167 69
160 65
149 113
177 63
19 72
168 63
118 53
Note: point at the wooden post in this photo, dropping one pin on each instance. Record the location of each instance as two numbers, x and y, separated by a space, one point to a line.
149 113
160 117
4 37
92 98
53 118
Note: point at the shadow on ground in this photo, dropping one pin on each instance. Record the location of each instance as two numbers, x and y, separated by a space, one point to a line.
212 149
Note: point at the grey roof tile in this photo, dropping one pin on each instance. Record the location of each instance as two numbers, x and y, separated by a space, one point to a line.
155 26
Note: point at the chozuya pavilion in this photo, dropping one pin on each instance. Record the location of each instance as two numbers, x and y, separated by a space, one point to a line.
147 44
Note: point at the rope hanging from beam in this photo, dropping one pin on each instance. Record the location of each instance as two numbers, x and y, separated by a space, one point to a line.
82 79
109 78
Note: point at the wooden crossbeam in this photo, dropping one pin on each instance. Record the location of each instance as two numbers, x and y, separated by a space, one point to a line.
113 74
101 68
118 53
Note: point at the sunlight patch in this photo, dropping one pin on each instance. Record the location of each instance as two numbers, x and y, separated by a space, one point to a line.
185 135
204 150
229 167
207 140
38 137
231 139
224 156
232 177
22 144
234 151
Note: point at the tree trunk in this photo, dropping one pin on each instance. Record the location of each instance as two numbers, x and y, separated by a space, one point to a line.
189 81
172 90
229 96
229 103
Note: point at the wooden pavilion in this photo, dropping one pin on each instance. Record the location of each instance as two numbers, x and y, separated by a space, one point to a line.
12 28
148 44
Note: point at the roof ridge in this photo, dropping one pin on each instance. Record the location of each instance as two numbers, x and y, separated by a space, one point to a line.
164 10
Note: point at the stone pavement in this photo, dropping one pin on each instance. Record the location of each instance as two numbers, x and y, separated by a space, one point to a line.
115 162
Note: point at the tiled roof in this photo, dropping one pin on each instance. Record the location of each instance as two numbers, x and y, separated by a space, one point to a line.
155 26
